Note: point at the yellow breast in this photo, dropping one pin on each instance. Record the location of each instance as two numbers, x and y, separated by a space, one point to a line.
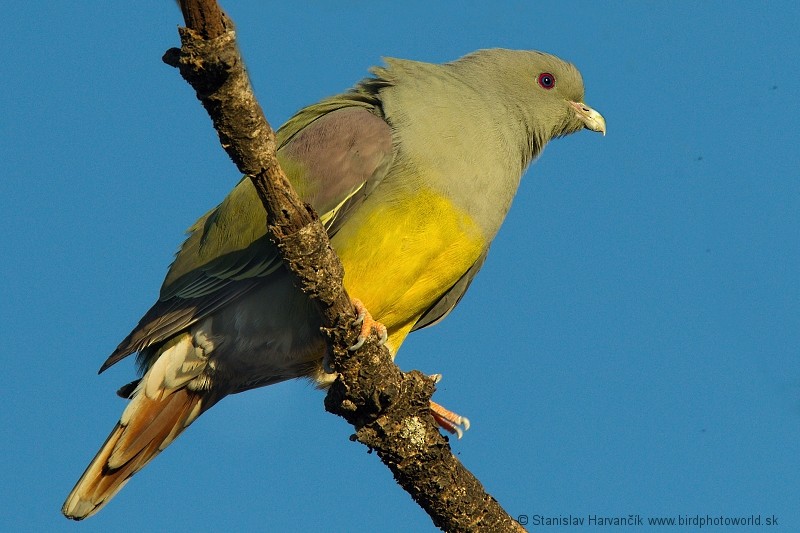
400 256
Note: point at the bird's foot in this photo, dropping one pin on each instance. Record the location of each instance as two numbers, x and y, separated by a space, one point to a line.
367 325
449 421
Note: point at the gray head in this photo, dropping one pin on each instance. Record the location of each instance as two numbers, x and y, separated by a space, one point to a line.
547 92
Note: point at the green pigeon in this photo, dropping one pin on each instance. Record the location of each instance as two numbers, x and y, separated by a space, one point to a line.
412 172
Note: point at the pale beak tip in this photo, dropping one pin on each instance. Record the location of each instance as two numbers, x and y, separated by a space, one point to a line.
591 119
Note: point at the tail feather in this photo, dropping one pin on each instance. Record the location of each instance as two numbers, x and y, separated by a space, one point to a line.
154 423
148 426
161 407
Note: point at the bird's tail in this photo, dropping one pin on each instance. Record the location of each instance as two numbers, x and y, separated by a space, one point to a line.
161 408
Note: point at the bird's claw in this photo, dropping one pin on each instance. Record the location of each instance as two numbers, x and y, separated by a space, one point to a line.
367 325
448 420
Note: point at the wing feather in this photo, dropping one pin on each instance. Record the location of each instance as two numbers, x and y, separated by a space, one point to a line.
334 153
448 301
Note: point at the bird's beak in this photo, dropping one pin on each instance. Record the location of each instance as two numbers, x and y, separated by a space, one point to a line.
592 119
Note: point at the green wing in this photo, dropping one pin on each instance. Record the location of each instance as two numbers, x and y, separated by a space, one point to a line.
333 152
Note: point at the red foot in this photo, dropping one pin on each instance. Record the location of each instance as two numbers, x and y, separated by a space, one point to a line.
367 325
449 421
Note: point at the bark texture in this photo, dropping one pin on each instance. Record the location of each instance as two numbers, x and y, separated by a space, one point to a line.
387 408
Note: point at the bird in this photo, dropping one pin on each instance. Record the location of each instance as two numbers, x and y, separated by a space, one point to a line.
412 171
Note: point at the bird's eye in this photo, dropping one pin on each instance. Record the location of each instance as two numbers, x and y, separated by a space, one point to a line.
547 80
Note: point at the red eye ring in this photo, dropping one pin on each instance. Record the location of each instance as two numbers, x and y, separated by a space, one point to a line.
547 80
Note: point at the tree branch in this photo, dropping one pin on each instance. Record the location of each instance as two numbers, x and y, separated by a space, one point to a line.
388 408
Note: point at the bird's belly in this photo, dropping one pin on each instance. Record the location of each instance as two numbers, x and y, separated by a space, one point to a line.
400 256
271 335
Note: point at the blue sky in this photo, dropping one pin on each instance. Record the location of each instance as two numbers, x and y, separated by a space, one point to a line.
630 347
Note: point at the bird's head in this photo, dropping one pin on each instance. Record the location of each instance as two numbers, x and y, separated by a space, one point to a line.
545 91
